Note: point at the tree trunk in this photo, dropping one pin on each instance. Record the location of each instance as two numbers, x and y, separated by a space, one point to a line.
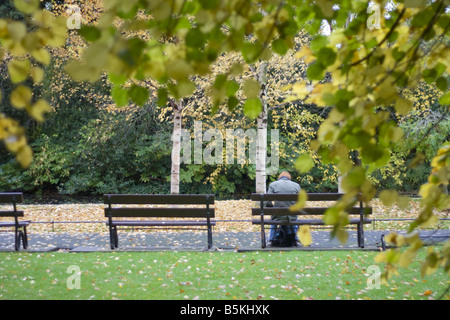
340 190
261 142
176 150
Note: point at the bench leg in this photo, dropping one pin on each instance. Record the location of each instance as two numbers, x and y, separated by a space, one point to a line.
113 237
360 235
263 237
209 237
18 238
25 238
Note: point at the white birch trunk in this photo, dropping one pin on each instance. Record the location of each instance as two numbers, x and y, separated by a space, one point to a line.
261 142
176 150
261 152
340 190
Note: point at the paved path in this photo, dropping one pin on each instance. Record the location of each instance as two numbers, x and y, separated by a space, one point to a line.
179 241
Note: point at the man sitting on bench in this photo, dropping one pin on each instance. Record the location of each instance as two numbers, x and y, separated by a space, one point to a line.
284 184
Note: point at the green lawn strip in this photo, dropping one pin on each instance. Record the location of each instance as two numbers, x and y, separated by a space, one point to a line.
208 275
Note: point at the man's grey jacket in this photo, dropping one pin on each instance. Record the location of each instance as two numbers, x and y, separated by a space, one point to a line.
283 185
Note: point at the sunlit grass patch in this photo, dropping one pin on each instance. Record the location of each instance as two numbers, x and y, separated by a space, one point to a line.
208 275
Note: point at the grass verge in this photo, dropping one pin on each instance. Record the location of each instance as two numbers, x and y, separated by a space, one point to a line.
328 275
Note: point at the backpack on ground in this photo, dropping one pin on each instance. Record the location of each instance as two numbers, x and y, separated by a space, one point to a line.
284 236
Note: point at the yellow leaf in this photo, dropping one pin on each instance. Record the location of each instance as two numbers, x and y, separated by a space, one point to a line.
396 239
19 70
251 88
304 163
388 197
305 52
327 7
342 235
25 156
406 258
380 257
17 30
42 56
304 235
82 72
37 74
27 6
21 97
403 106
301 201
41 106
14 143
179 69
301 90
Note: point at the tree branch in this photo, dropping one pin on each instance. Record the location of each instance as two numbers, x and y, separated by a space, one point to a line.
386 37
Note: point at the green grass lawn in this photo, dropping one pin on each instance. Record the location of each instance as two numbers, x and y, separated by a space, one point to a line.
207 275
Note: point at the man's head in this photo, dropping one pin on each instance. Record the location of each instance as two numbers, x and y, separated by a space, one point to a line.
284 174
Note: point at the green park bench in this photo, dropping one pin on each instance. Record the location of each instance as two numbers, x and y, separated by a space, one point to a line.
190 210
20 227
358 215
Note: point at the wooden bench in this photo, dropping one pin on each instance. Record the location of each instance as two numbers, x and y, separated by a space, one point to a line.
20 227
132 206
360 212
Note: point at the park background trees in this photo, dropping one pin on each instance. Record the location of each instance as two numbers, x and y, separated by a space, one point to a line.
369 85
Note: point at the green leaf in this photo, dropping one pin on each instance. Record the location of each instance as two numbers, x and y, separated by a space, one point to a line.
441 83
195 38
429 75
315 71
329 98
163 96
397 54
138 95
89 33
231 88
318 43
326 56
183 23
232 103
209 4
279 46
252 108
120 96
250 51
220 81
354 179
445 99
421 19
117 79
304 163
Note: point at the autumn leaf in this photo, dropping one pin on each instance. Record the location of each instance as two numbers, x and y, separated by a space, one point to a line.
304 235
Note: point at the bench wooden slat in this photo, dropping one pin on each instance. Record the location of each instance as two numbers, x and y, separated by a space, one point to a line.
161 223
273 211
13 224
157 199
11 197
11 213
307 222
294 197
159 212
